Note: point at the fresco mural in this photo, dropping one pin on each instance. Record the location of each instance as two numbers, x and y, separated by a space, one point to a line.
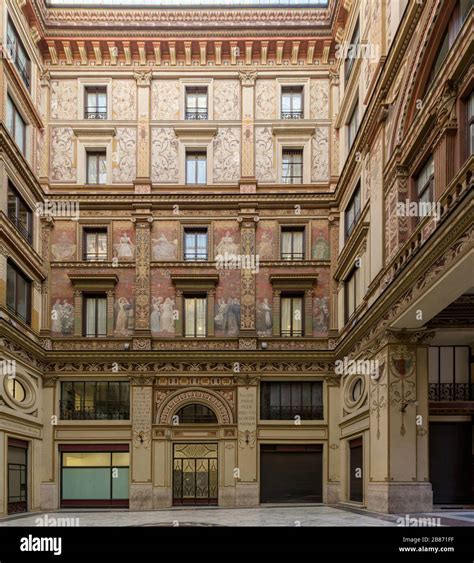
163 304
64 244
227 245
321 304
266 240
320 241
124 316
227 318
62 317
163 248
124 247
264 318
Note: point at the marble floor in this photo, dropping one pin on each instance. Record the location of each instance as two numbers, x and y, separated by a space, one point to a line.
264 516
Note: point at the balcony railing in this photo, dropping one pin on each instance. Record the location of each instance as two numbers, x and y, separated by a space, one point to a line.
196 114
95 113
289 413
291 332
292 114
292 256
103 411
22 228
451 392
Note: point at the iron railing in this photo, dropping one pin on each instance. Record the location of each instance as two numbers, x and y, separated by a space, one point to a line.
196 114
292 114
95 113
22 228
289 413
108 410
451 392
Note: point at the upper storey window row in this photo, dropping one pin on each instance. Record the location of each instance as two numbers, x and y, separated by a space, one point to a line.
17 52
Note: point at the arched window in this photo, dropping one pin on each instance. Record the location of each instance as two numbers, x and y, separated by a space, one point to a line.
196 414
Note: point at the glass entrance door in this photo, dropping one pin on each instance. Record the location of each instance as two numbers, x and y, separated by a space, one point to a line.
195 474
17 479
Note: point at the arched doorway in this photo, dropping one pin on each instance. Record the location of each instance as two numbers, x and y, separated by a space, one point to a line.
195 474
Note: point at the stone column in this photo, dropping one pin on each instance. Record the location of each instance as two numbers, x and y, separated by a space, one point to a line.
248 221
3 474
142 335
49 489
334 251
143 179
398 455
332 403
44 136
110 312
276 306
308 313
248 182
47 223
211 299
78 313
141 484
247 488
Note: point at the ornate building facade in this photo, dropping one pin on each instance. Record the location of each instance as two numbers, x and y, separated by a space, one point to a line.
218 282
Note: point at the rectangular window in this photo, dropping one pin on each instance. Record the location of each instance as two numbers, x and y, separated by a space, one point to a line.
470 124
195 317
449 373
285 401
292 243
292 166
95 315
95 245
292 102
16 125
196 103
96 167
291 307
17 52
351 293
18 293
352 52
425 182
95 103
95 478
95 400
352 126
352 212
196 167
19 213
195 244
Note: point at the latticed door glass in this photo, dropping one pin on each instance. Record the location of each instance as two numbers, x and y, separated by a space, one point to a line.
195 477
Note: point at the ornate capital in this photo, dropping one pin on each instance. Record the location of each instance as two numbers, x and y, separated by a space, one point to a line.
248 77
143 77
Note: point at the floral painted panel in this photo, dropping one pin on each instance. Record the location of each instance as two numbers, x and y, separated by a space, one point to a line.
124 162
165 100
227 155
164 147
319 95
63 155
64 99
320 156
265 99
264 155
226 99
124 99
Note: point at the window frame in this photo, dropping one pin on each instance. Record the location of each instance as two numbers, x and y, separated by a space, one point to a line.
11 266
100 115
85 297
292 230
291 164
96 153
349 60
353 276
24 72
25 230
96 231
195 153
16 116
65 401
353 126
316 389
195 113
195 297
292 90
428 186
292 295
195 231
352 206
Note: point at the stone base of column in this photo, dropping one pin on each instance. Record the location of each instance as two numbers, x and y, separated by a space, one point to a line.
141 496
333 493
162 497
247 494
49 496
399 498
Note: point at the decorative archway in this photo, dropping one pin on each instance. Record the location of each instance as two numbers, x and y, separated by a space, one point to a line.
179 399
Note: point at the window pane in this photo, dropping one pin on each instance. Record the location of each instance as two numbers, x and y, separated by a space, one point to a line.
189 317
120 483
201 239
10 115
102 316
296 395
200 317
297 315
22 297
90 316
11 287
86 459
89 395
86 484
201 172
285 315
190 170
92 168
120 459
102 169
